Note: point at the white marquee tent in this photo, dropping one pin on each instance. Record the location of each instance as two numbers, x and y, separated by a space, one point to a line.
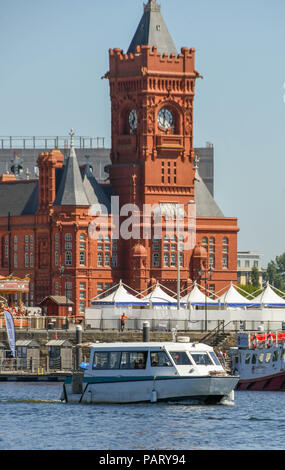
232 298
160 297
268 298
197 297
119 297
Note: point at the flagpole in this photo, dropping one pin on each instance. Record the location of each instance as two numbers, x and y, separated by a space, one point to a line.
178 258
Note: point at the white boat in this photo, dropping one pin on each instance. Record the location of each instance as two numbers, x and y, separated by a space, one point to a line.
259 361
151 372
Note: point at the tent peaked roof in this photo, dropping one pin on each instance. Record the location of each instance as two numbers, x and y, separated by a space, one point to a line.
269 297
119 296
233 297
196 296
158 296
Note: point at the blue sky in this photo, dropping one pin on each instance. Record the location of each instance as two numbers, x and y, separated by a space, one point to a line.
54 53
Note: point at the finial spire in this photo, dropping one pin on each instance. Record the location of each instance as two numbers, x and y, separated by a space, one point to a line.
71 133
196 162
152 5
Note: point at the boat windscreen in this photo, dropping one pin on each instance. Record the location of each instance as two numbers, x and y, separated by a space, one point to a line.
201 359
180 358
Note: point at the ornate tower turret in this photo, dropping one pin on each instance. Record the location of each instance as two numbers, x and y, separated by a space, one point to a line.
152 92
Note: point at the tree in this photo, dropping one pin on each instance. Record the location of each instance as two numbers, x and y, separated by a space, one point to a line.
245 289
275 272
254 277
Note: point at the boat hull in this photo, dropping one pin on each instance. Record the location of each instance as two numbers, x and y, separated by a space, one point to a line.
270 383
199 390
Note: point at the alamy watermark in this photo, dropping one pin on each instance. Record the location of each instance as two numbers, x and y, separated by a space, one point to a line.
153 222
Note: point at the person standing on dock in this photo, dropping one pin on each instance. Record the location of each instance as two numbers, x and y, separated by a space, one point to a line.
123 321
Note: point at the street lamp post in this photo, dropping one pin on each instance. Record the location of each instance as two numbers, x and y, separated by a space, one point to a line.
61 270
62 290
206 272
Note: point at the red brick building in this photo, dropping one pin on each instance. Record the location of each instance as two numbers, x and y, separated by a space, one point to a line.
45 223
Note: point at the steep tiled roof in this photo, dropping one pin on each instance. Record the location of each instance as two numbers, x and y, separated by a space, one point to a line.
71 190
94 192
18 198
206 206
153 31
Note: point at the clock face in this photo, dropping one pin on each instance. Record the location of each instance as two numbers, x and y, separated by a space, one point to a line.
165 118
133 120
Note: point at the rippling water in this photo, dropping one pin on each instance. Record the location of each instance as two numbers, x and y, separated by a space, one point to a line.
33 418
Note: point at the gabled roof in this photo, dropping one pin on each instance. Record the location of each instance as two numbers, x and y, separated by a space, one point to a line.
206 205
58 299
153 31
71 190
18 198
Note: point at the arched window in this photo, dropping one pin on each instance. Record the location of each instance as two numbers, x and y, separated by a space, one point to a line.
156 252
106 251
225 261
225 245
68 258
211 245
225 252
82 251
170 249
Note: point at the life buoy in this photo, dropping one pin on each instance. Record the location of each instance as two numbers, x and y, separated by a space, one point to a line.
269 340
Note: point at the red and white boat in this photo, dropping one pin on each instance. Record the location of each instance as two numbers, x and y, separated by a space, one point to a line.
259 360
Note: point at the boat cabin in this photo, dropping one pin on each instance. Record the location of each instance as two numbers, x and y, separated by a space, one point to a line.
152 358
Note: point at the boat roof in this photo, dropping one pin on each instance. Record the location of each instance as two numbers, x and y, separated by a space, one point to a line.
170 345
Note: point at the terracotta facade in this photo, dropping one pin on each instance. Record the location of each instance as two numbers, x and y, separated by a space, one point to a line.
153 163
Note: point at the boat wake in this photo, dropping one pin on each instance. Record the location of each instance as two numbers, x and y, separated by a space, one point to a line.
13 400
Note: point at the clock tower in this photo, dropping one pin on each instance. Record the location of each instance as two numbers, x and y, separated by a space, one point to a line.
152 92
152 88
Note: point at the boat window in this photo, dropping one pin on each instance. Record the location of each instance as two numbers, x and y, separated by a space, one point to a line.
267 357
261 357
160 359
253 359
114 360
133 360
180 358
201 359
106 360
283 355
100 360
275 356
247 359
216 360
